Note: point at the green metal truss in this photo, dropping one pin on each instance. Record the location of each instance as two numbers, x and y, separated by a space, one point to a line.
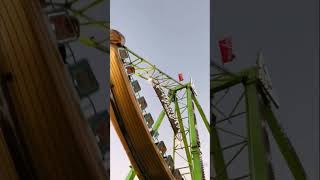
258 106
182 98
147 71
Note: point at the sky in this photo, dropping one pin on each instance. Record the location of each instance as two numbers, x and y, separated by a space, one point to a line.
288 34
173 35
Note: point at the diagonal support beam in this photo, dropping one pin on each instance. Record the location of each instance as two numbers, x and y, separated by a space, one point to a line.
183 134
216 153
195 152
203 116
284 145
131 174
90 5
257 157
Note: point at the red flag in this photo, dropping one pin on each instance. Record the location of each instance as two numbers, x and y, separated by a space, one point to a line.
225 46
180 76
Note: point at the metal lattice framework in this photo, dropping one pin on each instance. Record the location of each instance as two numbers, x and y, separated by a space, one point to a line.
82 13
147 71
257 103
186 144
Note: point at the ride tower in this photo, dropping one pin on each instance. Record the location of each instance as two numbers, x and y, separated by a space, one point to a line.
254 106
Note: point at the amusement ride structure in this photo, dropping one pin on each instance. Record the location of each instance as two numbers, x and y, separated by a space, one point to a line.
44 133
252 94
136 128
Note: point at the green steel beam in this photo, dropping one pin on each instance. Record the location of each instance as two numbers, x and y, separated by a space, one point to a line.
195 152
179 87
131 174
257 155
203 116
158 122
218 85
284 145
183 134
226 81
217 153
94 44
90 5
103 25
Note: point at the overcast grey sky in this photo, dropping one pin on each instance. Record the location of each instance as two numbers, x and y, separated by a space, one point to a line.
288 33
173 35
